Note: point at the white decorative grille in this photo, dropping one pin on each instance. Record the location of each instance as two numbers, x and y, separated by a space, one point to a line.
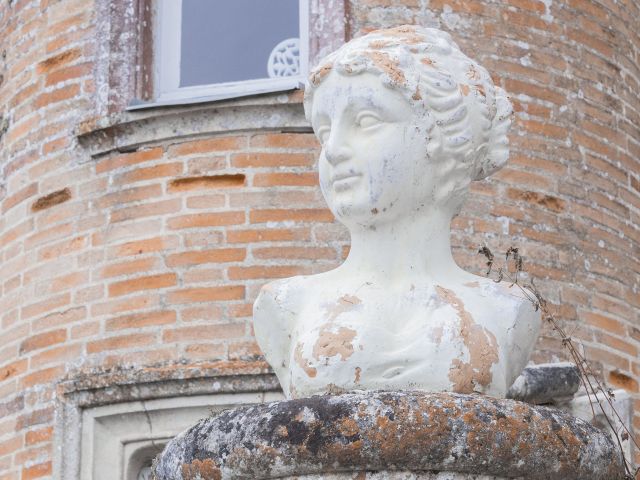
284 60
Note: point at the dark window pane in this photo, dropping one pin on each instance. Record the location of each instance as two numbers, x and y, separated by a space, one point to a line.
231 40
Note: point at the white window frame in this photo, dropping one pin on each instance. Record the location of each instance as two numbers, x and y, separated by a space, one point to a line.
167 63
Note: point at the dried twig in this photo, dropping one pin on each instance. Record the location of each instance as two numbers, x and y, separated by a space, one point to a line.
589 380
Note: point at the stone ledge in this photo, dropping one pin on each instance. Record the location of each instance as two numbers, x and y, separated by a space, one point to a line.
413 432
130 130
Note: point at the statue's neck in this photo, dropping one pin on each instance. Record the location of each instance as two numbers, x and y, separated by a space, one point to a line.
415 248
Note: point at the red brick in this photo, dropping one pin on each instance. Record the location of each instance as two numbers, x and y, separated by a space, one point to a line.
207 146
41 377
44 306
200 257
151 282
37 471
163 207
139 247
58 60
243 160
140 320
38 436
132 340
309 253
267 235
285 140
68 73
297 215
19 197
43 340
129 195
206 220
255 272
128 159
285 179
149 173
204 332
208 294
128 268
61 354
8 447
59 95
206 201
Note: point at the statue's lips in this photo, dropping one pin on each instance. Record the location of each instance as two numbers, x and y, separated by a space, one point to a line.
344 181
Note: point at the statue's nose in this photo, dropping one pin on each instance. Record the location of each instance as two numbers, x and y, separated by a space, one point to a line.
337 149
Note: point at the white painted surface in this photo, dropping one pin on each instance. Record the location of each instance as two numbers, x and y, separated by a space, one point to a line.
406 122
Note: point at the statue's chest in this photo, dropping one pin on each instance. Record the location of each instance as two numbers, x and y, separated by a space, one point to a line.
357 343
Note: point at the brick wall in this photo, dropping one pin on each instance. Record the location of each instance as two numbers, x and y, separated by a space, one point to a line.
153 257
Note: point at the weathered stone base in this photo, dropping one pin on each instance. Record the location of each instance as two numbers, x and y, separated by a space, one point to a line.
395 476
393 435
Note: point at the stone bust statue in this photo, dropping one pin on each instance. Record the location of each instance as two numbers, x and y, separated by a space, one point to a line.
406 122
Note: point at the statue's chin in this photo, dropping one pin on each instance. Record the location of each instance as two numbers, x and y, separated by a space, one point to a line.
361 216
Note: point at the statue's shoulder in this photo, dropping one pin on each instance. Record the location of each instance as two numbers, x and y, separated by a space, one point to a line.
505 300
276 309
275 315
280 296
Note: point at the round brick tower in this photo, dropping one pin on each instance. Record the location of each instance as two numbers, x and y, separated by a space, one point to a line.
133 243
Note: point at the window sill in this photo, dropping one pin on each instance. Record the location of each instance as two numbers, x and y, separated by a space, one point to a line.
156 123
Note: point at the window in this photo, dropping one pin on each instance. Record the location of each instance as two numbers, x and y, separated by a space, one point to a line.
207 50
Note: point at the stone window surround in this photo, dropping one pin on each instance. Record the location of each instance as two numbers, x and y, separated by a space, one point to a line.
123 73
125 41
96 408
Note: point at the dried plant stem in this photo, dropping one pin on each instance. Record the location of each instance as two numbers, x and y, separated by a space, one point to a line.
589 380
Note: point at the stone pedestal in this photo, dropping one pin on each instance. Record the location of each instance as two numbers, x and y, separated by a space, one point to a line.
391 435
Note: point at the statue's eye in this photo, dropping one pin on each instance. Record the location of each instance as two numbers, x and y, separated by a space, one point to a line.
323 134
368 120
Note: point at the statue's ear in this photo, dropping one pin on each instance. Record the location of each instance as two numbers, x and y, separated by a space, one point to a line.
477 161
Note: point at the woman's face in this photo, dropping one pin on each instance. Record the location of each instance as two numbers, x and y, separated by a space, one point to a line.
374 166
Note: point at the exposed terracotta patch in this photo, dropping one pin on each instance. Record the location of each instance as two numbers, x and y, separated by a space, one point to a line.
472 73
407 33
52 199
464 88
344 304
207 181
331 344
320 73
303 363
482 346
473 284
358 372
378 44
480 90
389 66
436 334
428 61
416 95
